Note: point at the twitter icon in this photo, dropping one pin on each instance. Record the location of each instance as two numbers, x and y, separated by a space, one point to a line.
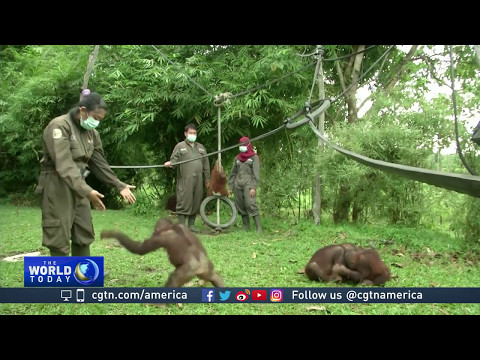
224 295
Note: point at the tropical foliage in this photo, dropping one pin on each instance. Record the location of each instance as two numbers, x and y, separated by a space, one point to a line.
151 98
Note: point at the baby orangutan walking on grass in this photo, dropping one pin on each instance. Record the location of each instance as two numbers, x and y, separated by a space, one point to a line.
184 250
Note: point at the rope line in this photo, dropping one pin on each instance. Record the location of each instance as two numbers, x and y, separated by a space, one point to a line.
364 74
350 55
181 71
340 57
209 154
319 54
270 82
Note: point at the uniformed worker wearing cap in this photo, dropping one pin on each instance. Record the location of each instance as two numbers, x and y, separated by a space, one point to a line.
244 180
72 148
190 175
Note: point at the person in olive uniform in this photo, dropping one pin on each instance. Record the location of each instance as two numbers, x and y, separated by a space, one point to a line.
72 149
244 180
190 176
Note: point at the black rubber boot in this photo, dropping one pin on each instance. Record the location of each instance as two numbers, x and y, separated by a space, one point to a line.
257 224
191 223
246 222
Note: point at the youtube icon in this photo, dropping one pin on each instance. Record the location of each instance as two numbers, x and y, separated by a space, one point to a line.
259 295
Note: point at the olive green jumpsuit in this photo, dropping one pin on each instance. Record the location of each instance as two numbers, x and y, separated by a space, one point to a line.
246 176
66 211
190 179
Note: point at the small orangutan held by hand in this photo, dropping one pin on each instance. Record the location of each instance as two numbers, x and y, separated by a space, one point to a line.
347 262
184 250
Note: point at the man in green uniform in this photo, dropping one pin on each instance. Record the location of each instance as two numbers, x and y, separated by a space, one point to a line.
72 149
244 180
190 175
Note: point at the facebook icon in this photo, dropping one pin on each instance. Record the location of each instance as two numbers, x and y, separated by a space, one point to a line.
208 295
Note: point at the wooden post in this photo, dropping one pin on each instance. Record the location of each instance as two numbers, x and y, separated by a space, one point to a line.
219 147
317 193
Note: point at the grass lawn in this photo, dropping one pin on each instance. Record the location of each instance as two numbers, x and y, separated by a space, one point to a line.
416 257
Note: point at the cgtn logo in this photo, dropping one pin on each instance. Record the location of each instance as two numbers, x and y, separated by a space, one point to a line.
63 271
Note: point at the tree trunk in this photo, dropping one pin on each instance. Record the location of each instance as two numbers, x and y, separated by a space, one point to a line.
342 205
352 93
352 71
356 211
92 58
477 54
317 199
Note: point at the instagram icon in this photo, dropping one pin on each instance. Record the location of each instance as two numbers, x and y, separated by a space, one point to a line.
276 295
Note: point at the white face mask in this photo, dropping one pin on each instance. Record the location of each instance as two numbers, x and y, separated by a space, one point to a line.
243 149
191 137
89 124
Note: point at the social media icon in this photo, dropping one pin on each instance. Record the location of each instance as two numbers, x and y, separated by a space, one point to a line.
259 295
241 296
208 295
224 295
276 295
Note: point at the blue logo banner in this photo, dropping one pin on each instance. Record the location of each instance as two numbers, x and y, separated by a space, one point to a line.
63 271
361 295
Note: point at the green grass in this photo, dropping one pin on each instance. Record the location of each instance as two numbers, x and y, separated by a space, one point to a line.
416 257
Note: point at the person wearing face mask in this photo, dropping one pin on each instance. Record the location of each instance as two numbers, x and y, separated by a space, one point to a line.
71 150
244 179
190 176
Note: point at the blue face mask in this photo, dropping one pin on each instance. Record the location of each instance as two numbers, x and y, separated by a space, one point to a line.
89 124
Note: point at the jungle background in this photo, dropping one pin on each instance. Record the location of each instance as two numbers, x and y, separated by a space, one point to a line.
403 118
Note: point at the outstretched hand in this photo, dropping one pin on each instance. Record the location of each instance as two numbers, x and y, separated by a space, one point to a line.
95 198
128 195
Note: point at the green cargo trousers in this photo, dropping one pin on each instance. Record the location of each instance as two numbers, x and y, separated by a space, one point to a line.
245 204
65 216
189 194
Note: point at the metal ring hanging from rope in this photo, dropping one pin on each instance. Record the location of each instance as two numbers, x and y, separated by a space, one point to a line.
210 223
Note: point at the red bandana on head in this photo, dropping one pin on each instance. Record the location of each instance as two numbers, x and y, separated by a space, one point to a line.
249 153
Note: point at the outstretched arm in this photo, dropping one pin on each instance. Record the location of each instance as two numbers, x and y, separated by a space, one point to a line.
135 247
